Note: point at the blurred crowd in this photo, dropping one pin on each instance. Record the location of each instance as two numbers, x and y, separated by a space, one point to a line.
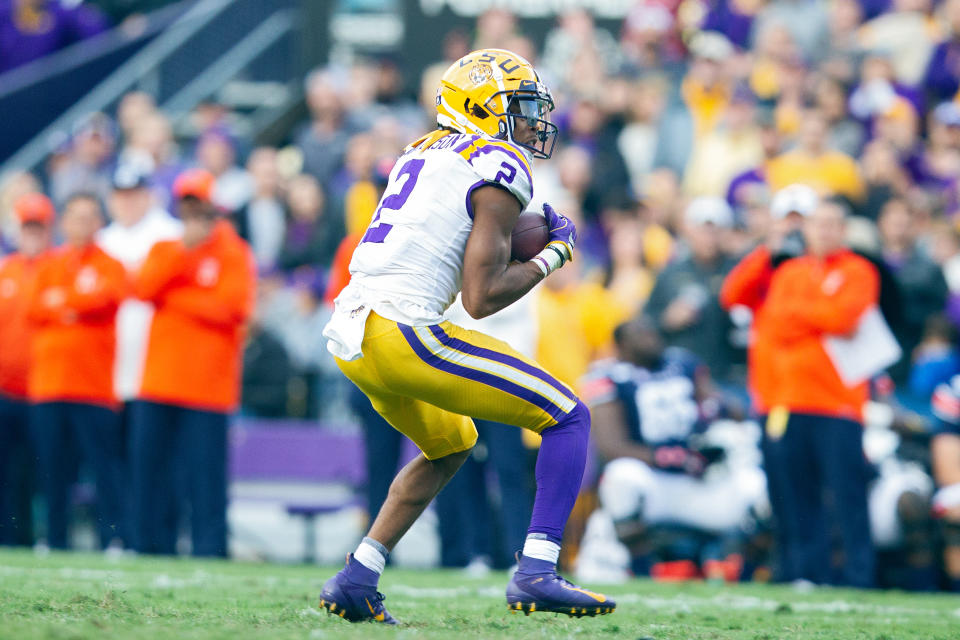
677 129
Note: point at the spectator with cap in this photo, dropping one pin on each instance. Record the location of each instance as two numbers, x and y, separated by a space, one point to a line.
18 270
684 302
138 222
87 167
817 416
72 313
32 29
747 286
202 287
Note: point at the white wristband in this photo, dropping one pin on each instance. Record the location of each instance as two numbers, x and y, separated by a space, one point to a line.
549 260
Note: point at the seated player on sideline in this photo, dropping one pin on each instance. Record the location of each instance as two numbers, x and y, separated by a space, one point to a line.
651 408
945 457
444 225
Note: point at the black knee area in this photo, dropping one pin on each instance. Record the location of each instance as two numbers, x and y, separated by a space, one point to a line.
950 530
631 531
913 508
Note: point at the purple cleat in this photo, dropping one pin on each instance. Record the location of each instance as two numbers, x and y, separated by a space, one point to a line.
352 594
537 587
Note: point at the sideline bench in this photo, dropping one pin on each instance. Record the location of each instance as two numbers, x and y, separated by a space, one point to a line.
311 468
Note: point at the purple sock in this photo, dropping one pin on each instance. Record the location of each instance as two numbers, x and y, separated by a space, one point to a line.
560 463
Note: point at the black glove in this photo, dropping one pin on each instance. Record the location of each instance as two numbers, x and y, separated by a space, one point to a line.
793 246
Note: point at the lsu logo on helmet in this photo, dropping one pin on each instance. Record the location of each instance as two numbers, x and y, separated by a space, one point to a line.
486 92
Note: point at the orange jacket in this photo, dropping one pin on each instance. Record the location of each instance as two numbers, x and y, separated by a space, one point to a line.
17 275
340 268
73 309
203 298
811 298
747 285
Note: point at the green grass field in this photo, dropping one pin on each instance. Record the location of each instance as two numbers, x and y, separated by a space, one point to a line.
89 596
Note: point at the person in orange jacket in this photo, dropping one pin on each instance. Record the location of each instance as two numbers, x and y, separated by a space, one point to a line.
821 294
202 287
747 285
36 214
72 313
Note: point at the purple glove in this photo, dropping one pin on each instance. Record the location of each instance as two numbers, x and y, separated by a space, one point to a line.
563 233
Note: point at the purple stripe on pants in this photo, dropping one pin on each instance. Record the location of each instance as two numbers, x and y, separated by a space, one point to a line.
489 379
503 358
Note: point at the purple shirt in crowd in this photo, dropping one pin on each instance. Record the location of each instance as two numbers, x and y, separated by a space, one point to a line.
57 28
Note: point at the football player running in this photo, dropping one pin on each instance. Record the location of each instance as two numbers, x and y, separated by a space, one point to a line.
444 225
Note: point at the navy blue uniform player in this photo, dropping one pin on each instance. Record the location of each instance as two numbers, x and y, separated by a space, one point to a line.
649 406
945 454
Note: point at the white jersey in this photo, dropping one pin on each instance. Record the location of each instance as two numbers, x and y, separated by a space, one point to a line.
130 245
412 252
409 265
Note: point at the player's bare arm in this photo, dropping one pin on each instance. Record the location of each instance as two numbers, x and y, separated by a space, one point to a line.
490 281
610 434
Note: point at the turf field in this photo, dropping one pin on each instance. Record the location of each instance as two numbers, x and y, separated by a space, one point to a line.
89 596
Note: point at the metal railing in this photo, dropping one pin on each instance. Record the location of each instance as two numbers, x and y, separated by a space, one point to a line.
182 66
230 63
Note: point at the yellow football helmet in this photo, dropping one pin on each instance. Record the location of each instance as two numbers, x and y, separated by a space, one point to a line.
484 92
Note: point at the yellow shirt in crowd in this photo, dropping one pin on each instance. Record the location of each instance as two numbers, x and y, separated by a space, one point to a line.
706 105
575 327
830 173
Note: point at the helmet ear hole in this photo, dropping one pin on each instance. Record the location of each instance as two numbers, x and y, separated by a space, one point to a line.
479 112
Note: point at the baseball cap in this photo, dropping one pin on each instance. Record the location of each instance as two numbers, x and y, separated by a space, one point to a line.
649 17
711 45
194 183
794 198
34 207
948 113
709 210
128 176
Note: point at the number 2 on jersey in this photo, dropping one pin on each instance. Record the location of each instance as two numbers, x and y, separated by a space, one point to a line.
411 171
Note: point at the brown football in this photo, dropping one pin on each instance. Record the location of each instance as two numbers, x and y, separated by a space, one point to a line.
530 236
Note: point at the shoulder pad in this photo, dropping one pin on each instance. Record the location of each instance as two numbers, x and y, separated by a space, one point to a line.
500 162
